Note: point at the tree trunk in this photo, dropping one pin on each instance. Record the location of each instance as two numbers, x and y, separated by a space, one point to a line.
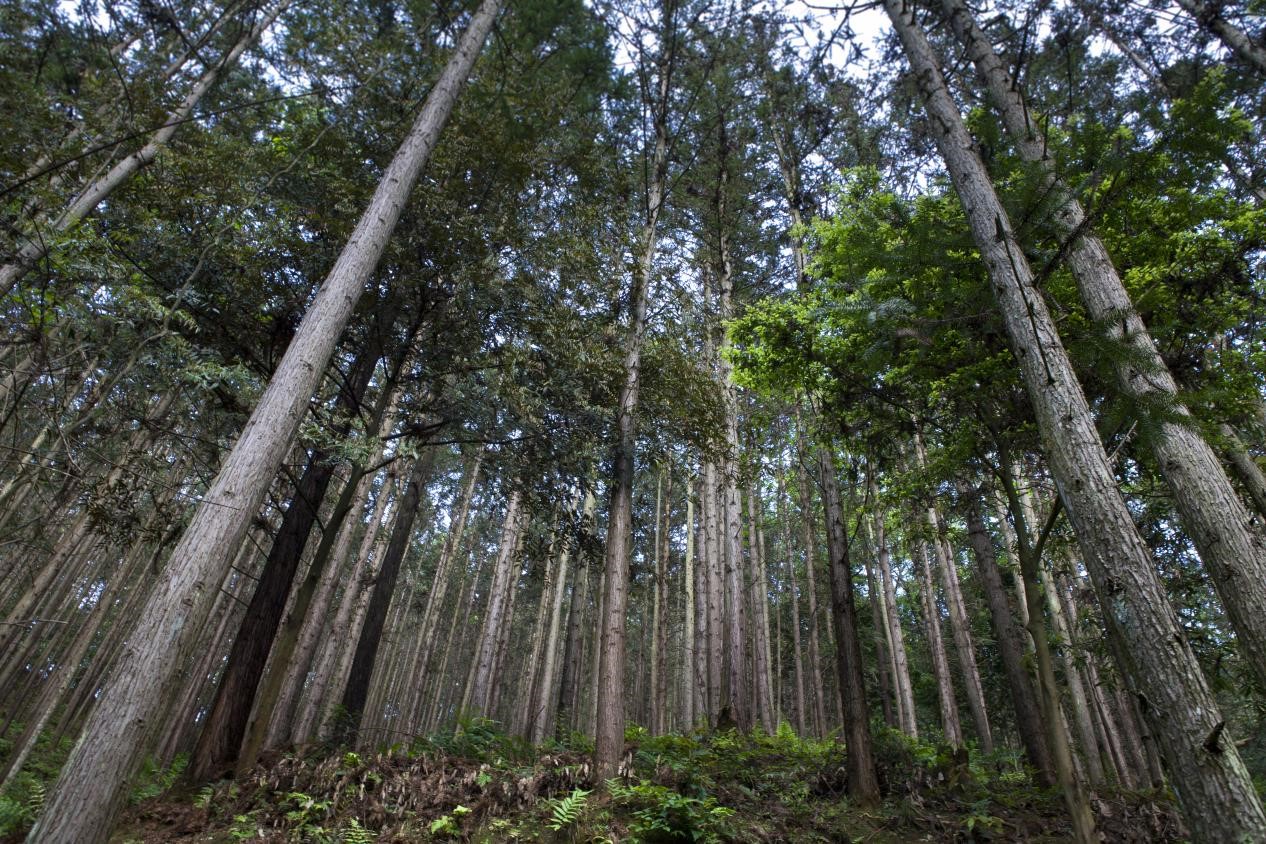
609 725
950 725
863 783
811 590
1214 788
370 636
798 701
1236 40
497 612
765 698
1028 716
900 661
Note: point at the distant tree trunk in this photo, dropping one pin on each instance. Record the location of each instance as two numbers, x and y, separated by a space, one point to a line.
82 806
1075 798
713 567
1231 543
569 687
766 710
36 245
449 554
900 661
1213 786
545 708
496 615
889 696
798 701
950 725
370 635
1028 716
863 783
960 625
691 675
811 593
659 622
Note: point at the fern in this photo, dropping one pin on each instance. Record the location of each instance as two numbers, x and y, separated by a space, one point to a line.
357 834
566 810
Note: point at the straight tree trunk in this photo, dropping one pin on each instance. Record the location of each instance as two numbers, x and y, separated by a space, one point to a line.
811 594
798 701
82 805
1232 544
659 623
900 661
766 711
863 782
609 724
950 725
691 675
497 613
1028 715
1213 786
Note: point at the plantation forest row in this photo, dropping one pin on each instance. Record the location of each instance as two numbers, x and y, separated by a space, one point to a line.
675 396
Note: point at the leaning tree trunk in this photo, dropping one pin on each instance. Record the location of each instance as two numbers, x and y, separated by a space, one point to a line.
1232 544
82 805
356 691
1213 786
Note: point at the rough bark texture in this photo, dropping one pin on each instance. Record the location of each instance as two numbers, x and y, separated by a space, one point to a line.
1213 786
82 806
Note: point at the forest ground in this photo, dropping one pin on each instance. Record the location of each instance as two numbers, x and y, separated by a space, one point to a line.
479 784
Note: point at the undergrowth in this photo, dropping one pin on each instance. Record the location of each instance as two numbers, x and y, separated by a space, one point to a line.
476 783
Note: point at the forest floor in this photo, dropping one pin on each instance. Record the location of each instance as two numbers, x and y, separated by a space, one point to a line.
480 785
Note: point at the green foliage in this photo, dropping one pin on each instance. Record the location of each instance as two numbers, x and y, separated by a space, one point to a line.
662 815
566 810
449 826
153 779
